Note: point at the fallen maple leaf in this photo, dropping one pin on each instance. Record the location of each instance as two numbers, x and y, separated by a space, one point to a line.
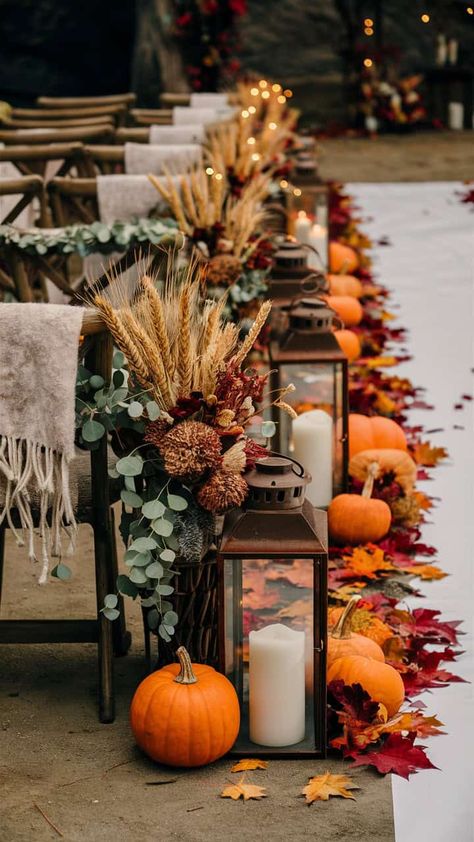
424 454
367 561
244 791
248 764
428 572
398 755
322 786
413 721
380 362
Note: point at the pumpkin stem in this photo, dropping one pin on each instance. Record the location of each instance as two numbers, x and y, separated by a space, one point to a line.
342 629
186 674
372 474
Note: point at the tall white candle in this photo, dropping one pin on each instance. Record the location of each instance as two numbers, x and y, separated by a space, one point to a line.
313 448
302 227
456 115
277 686
318 239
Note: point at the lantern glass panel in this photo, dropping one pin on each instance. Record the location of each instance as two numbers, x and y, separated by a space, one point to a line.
270 647
318 385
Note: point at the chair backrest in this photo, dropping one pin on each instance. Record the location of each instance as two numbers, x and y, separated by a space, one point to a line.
73 200
34 160
134 135
88 134
17 195
151 116
169 99
103 159
86 101
114 111
58 123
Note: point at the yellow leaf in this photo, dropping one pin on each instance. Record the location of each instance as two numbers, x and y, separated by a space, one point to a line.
424 454
381 362
243 790
248 764
423 500
428 572
367 561
322 786
384 404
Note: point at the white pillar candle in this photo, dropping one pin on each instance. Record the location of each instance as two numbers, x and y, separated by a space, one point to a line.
453 51
277 686
318 239
456 115
302 227
313 448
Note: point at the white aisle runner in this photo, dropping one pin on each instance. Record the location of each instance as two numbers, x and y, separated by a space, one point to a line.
429 268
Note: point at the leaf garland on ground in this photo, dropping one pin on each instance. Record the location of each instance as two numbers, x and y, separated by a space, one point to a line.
417 642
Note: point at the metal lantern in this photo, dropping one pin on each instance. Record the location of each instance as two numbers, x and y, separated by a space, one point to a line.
308 356
272 567
308 206
291 275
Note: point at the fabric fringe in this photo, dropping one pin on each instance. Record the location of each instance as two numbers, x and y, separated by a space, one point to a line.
36 478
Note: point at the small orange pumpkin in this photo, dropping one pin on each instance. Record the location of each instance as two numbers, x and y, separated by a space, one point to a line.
186 714
348 309
357 519
389 461
342 259
349 343
368 433
342 641
381 681
345 285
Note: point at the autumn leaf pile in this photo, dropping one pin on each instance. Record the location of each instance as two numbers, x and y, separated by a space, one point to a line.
418 643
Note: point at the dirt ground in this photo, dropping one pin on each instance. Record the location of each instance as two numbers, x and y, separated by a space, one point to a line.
427 156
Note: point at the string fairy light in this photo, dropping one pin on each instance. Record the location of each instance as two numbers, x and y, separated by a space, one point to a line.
263 83
254 92
368 22
281 99
276 88
283 184
251 141
272 126
265 94
209 171
368 62
470 10
252 109
425 18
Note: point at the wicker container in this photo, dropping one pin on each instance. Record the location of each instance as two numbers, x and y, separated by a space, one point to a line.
195 602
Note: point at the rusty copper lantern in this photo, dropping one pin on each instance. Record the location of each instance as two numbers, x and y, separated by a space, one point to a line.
308 197
308 356
290 275
272 565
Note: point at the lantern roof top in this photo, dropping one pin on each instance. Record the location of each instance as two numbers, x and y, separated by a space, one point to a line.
287 533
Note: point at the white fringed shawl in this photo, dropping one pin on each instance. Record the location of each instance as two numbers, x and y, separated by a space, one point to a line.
38 364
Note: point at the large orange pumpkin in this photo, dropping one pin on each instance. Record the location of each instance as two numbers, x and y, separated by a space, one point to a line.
342 641
345 285
347 308
357 519
374 432
381 681
186 714
342 259
349 343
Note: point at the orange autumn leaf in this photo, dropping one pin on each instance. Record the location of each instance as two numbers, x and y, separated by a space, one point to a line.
299 574
384 404
386 316
248 764
368 561
298 608
322 786
394 649
428 572
244 791
423 500
381 362
413 720
426 455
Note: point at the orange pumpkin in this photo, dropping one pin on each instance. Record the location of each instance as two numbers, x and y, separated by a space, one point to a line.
367 433
357 519
348 309
186 714
342 641
345 285
388 461
349 343
381 681
342 259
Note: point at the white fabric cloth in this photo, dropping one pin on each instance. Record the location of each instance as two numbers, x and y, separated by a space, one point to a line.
208 100
183 115
126 197
177 135
144 158
429 268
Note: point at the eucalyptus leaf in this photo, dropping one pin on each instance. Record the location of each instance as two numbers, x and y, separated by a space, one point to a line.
97 381
170 618
130 466
149 601
163 633
110 600
135 409
177 503
118 379
268 429
129 483
92 430
165 590
153 410
130 498
154 570
111 613
61 571
168 555
138 576
169 629
118 360
125 586
153 509
152 618
142 544
138 560
162 527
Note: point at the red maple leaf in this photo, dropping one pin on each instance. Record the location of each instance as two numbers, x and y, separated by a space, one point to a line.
426 625
353 699
398 755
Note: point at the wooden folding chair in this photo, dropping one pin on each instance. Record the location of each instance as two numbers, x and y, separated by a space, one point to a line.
59 102
94 508
106 160
151 116
111 111
102 133
133 135
14 276
169 99
73 200
58 123
33 160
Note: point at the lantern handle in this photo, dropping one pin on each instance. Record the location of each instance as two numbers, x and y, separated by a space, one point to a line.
313 282
314 250
284 456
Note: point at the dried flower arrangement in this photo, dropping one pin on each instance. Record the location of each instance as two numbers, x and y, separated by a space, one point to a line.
185 408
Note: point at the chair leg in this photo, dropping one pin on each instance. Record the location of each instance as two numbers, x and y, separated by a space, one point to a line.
105 647
2 556
121 637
